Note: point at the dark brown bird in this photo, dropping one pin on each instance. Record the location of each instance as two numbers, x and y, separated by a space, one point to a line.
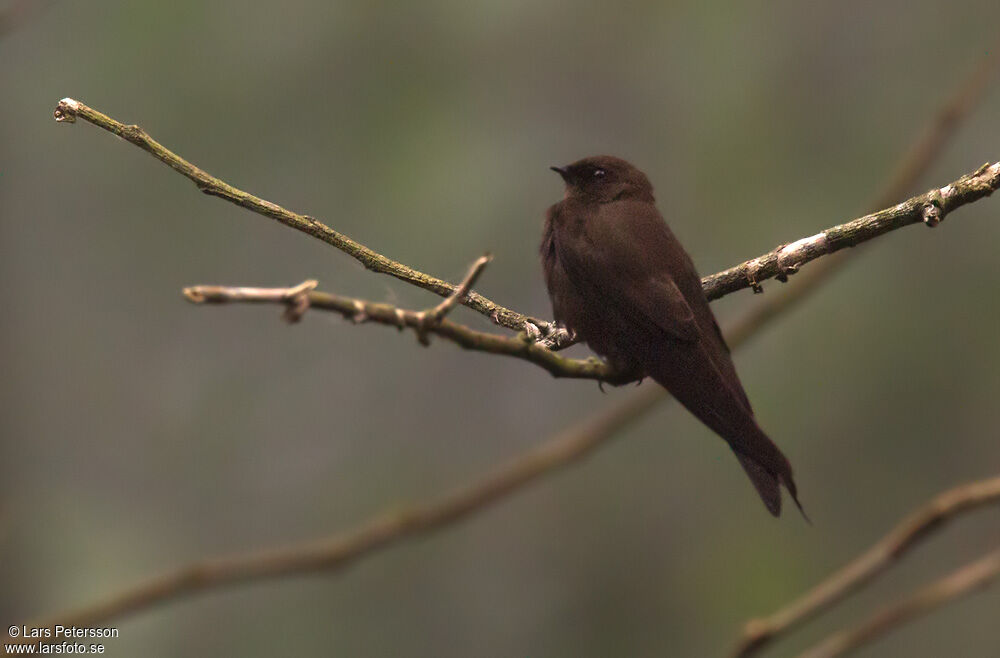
621 281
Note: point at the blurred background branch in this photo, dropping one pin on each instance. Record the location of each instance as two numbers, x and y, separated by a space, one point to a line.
16 12
340 550
959 583
910 168
869 565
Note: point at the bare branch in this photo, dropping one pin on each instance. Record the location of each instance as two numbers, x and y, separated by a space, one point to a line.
930 208
935 203
296 298
69 110
431 318
361 311
779 263
869 565
457 297
957 584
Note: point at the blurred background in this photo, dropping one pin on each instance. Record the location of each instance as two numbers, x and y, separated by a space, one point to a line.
140 432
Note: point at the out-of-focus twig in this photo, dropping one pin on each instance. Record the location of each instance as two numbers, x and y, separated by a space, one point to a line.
957 584
382 531
870 564
17 12
910 168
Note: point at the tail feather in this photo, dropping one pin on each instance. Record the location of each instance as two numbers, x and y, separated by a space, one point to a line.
708 387
768 485
764 482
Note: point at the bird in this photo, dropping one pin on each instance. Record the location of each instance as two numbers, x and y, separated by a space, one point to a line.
621 282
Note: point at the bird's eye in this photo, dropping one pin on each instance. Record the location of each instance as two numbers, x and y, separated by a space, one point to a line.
599 173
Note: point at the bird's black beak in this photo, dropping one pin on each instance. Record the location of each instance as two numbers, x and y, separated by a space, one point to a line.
562 171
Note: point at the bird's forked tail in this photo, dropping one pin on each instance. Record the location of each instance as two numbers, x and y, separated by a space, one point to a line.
768 483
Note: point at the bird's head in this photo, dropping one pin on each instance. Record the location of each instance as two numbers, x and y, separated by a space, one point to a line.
604 178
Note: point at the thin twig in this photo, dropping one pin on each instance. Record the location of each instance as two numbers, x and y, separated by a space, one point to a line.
362 311
436 314
69 110
870 564
296 298
429 319
957 584
930 208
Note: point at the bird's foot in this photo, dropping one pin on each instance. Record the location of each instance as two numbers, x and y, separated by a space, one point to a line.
549 335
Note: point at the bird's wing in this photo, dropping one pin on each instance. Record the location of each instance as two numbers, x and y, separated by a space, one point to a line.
627 259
